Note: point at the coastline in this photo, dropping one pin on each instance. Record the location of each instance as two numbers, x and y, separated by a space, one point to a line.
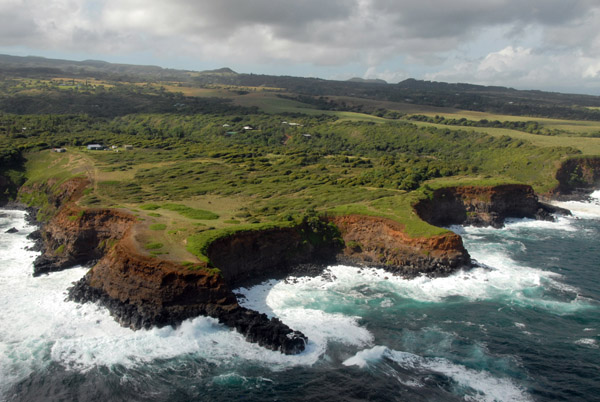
141 292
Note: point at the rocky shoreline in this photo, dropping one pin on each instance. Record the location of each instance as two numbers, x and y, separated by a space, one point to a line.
270 333
141 291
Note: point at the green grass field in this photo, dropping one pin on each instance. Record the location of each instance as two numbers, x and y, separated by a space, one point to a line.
587 146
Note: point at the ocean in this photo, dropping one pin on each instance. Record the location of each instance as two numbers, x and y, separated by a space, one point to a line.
523 326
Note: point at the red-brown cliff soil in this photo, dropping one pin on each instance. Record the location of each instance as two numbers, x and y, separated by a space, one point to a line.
76 237
141 292
383 242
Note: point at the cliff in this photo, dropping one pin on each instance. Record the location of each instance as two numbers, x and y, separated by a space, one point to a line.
248 256
577 176
382 242
482 206
78 237
73 236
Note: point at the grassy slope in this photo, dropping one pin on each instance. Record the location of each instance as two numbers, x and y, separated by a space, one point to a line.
588 146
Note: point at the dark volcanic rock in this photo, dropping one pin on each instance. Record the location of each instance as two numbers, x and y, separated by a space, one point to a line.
577 177
38 242
154 293
12 230
482 206
254 255
269 333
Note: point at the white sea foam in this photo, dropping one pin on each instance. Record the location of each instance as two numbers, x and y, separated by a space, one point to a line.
589 342
583 209
504 277
301 304
483 385
37 326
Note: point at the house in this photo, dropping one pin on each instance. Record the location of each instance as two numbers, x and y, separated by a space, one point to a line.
114 147
128 147
225 125
248 128
95 147
59 150
306 135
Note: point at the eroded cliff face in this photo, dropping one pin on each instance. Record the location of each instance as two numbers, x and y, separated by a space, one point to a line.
141 291
383 242
161 292
482 206
77 237
577 175
251 255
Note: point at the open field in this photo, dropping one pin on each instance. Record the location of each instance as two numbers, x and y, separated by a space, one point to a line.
572 126
587 146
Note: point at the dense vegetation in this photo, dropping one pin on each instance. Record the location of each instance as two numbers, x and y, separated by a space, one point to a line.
530 126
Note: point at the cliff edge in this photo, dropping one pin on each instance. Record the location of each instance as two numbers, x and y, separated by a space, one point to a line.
483 205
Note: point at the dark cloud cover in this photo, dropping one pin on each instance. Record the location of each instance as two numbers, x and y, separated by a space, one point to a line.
368 34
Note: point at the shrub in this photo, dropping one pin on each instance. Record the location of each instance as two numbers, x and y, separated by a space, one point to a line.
153 245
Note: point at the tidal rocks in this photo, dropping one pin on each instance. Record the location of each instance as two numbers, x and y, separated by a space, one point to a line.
269 333
142 291
12 230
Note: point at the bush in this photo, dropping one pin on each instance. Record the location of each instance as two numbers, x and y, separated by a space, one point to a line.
153 245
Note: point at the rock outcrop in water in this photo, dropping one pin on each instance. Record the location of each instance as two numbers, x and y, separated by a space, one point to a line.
577 177
482 206
382 242
141 292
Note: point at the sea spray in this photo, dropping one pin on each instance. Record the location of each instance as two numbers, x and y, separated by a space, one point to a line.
583 209
473 384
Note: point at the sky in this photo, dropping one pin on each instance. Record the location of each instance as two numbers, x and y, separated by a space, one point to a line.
526 44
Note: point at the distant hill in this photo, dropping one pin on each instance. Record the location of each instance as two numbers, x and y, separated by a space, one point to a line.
33 66
464 96
367 81
224 70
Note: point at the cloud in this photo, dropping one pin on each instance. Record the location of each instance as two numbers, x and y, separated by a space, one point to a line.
417 34
525 68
